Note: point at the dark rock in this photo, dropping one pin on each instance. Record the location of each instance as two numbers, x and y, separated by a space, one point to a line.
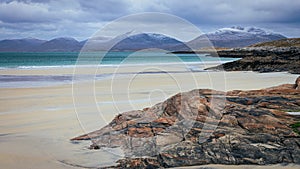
138 163
262 59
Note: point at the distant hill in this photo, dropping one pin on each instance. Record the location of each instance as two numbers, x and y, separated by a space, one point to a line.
20 45
222 38
60 45
120 43
37 45
236 37
291 42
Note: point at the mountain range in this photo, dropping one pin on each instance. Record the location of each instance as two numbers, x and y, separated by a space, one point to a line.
225 37
236 37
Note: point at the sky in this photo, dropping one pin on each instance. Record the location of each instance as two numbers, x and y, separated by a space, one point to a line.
47 19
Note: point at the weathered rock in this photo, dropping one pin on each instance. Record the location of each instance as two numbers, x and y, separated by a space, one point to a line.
262 59
141 163
208 127
297 84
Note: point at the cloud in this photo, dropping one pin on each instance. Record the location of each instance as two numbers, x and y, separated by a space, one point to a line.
79 18
236 11
105 10
16 12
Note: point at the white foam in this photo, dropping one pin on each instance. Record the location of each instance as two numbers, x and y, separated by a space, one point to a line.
293 113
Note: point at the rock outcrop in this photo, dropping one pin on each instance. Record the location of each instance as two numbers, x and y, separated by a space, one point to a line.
262 59
208 127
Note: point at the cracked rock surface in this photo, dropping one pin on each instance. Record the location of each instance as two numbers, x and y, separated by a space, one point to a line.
205 126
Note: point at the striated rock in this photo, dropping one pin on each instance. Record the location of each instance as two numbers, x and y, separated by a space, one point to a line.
208 127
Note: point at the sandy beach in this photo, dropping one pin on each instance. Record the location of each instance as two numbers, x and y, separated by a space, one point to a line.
37 122
149 84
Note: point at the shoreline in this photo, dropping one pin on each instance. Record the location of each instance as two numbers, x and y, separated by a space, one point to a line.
111 68
72 66
44 119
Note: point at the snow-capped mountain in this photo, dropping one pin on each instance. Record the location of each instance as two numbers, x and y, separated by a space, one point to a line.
237 37
225 37
239 29
132 42
146 41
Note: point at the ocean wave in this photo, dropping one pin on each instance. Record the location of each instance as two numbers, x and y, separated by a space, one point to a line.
115 65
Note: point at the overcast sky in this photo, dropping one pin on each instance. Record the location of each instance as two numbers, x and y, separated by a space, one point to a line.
46 19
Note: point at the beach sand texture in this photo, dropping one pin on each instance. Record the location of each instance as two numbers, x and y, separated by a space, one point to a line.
37 122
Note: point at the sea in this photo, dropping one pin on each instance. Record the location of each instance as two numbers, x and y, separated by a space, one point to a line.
28 60
53 60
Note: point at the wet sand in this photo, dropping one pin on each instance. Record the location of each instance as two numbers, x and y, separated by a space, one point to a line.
37 122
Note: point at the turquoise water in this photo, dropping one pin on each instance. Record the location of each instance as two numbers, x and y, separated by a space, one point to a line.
42 59
27 60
